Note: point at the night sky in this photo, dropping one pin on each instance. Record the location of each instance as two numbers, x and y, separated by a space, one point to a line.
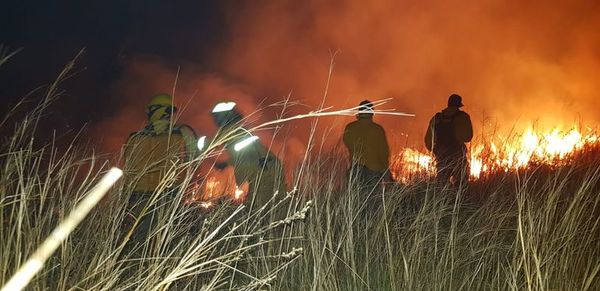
52 32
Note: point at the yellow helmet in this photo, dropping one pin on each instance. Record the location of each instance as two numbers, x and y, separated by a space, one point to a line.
161 107
161 100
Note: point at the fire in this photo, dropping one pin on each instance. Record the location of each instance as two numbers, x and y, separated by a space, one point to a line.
240 191
217 185
553 148
206 205
413 164
213 187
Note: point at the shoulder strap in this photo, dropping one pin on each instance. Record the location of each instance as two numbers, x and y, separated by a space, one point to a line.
176 129
186 129
440 116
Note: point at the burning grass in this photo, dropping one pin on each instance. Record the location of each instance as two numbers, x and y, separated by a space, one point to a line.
491 154
536 227
184 248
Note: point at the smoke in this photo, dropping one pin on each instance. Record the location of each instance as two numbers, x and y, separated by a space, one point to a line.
510 60
195 93
514 62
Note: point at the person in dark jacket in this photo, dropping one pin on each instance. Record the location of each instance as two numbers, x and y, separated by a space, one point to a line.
447 134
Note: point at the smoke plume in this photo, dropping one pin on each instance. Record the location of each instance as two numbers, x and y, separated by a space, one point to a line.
514 63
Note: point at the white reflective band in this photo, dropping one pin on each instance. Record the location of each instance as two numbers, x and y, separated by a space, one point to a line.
201 142
223 106
366 110
244 143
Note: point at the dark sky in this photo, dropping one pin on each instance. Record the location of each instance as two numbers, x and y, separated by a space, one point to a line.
52 32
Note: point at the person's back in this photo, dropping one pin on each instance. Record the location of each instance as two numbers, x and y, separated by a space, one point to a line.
447 134
367 146
253 162
152 156
451 130
259 167
149 156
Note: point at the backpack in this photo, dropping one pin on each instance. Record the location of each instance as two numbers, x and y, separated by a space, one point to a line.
444 134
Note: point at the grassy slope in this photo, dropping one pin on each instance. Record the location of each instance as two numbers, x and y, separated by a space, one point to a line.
536 230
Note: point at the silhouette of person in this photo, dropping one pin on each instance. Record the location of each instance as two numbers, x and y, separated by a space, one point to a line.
447 133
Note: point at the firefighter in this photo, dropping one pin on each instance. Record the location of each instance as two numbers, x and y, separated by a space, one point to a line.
252 162
447 134
153 159
368 147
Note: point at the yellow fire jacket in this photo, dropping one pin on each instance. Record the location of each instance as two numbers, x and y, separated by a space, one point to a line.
367 144
148 155
256 165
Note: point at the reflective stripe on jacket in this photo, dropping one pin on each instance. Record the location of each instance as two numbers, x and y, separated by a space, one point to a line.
254 164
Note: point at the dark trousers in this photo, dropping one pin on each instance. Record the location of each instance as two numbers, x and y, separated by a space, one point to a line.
452 167
367 178
138 201
135 206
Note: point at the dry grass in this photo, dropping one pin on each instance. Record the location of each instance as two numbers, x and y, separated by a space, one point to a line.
533 230
228 248
537 230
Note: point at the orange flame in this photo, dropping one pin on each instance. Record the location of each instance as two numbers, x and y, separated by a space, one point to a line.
412 164
553 148
217 185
